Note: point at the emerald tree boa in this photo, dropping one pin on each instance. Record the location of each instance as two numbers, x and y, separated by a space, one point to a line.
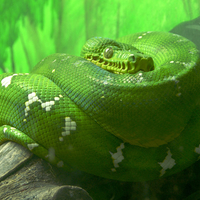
125 110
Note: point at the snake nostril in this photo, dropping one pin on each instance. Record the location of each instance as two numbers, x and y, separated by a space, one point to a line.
131 57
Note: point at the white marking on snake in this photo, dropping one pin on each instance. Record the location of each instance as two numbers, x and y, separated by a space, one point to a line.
187 65
32 146
47 105
178 94
5 129
60 164
32 97
56 98
69 126
54 61
117 157
64 59
139 37
167 163
197 149
53 70
7 80
105 82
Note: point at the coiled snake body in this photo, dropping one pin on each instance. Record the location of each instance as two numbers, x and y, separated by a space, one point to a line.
128 110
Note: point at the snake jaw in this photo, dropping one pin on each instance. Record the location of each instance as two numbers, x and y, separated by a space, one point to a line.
120 67
123 66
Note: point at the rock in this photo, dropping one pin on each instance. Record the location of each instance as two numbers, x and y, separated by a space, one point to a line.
24 176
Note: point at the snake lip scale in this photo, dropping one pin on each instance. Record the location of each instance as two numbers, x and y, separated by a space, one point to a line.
127 109
122 66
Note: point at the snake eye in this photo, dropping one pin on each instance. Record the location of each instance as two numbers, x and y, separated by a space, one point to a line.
108 53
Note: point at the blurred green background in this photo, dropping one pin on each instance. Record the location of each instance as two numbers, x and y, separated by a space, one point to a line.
31 29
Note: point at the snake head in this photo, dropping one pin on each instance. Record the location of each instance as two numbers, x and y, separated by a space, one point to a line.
116 57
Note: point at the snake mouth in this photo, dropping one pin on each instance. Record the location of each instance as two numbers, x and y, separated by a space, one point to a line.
119 67
125 66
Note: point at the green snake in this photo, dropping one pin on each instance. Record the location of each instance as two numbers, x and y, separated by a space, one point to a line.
127 110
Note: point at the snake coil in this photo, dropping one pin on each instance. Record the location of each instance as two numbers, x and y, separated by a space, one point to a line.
128 110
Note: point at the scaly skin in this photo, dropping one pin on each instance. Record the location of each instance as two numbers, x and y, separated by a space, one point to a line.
138 120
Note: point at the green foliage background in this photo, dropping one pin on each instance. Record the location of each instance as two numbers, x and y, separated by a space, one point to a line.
33 29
